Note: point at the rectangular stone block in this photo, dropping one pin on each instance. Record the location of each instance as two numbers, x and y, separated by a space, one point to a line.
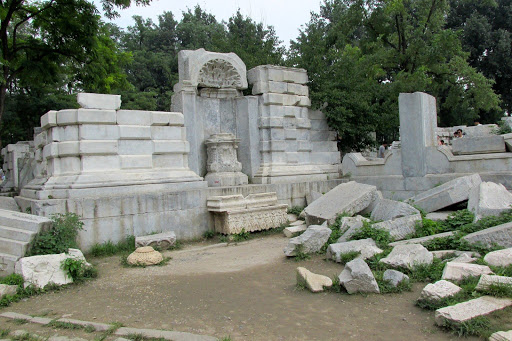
100 162
303 123
303 146
99 101
65 133
138 161
163 118
271 122
134 117
465 311
170 146
293 111
160 241
330 158
298 76
500 235
96 116
134 132
277 146
135 147
272 111
298 89
304 101
101 147
478 145
167 133
98 132
67 165
51 150
49 119
67 117
168 160
68 148
292 157
324 146
290 134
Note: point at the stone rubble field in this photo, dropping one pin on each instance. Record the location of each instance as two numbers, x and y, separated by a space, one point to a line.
465 256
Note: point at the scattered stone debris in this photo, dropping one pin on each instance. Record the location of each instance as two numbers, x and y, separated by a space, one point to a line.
163 241
311 240
489 199
458 271
501 336
366 247
394 277
464 258
390 209
349 198
8 290
314 282
400 228
437 291
499 258
500 235
447 194
357 277
441 254
466 311
487 280
145 255
350 225
422 240
408 256
292 231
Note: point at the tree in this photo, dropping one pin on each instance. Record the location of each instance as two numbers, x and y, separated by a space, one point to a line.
360 54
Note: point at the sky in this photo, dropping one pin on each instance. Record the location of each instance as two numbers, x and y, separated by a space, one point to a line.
285 15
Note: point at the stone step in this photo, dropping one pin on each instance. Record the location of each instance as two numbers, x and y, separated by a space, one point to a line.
465 311
23 221
16 234
13 247
7 263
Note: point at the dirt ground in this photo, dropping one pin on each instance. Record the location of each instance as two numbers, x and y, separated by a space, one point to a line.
245 291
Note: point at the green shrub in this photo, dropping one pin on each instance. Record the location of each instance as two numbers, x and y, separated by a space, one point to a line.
386 288
295 210
300 254
458 219
427 272
209 234
59 237
381 237
78 270
427 228
241 236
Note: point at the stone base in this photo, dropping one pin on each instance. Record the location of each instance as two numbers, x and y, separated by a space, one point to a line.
226 179
250 220
274 174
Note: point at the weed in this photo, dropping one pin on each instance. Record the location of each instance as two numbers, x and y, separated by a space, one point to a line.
478 326
427 228
300 254
300 286
140 337
224 239
78 270
503 128
209 234
227 338
111 330
26 337
374 261
421 210
297 210
499 290
72 326
386 288
110 249
502 270
241 236
20 321
336 286
59 237
28 210
347 257
4 332
335 234
381 237
427 272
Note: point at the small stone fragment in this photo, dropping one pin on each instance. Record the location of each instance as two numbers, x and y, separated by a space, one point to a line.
366 247
314 282
487 280
499 258
408 256
394 277
291 231
145 255
437 291
501 336
357 277
458 271
311 240
464 258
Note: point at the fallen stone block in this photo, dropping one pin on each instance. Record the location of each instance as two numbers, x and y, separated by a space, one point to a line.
447 194
394 277
298 222
314 282
458 271
500 235
422 240
466 311
357 277
311 240
8 290
350 225
292 231
499 258
366 247
42 270
478 145
292 218
312 196
408 256
433 292
501 336
376 198
442 254
400 228
390 209
489 199
487 280
464 258
349 198
161 241
436 216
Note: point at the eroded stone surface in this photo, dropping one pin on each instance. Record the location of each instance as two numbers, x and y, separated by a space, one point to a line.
408 256
311 240
489 199
8 290
366 247
145 255
487 280
400 228
350 225
162 241
499 258
500 235
501 336
42 270
439 290
466 311
357 277
458 271
291 231
464 258
314 282
390 209
394 277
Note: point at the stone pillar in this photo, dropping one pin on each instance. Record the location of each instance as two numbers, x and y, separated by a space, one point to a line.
418 121
223 166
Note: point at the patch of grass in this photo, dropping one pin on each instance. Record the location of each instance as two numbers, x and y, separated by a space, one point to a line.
347 257
336 286
300 254
498 290
20 321
297 210
27 337
423 213
227 338
241 236
140 337
335 234
4 332
502 270
381 237
224 239
427 272
478 326
468 292
111 249
209 234
78 270
374 262
111 330
386 288
300 286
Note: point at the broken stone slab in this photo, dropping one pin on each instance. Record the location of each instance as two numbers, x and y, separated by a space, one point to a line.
436 216
314 282
422 240
500 235
464 258
408 256
292 231
433 292
478 145
357 277
400 228
311 240
376 198
349 198
447 194
487 280
350 225
394 277
489 199
458 271
99 101
161 241
292 218
366 247
312 196
8 290
501 336
298 223
499 257
441 254
40 271
466 311
390 209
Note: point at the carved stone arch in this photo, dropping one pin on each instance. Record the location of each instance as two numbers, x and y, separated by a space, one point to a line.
218 73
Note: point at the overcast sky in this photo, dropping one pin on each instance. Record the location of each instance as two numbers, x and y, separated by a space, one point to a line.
285 15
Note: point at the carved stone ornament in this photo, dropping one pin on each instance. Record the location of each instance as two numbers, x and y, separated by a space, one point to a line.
223 166
218 73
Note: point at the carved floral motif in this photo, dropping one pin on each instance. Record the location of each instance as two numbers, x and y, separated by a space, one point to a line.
218 73
234 222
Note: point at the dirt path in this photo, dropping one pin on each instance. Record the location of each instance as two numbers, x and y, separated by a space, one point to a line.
243 291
